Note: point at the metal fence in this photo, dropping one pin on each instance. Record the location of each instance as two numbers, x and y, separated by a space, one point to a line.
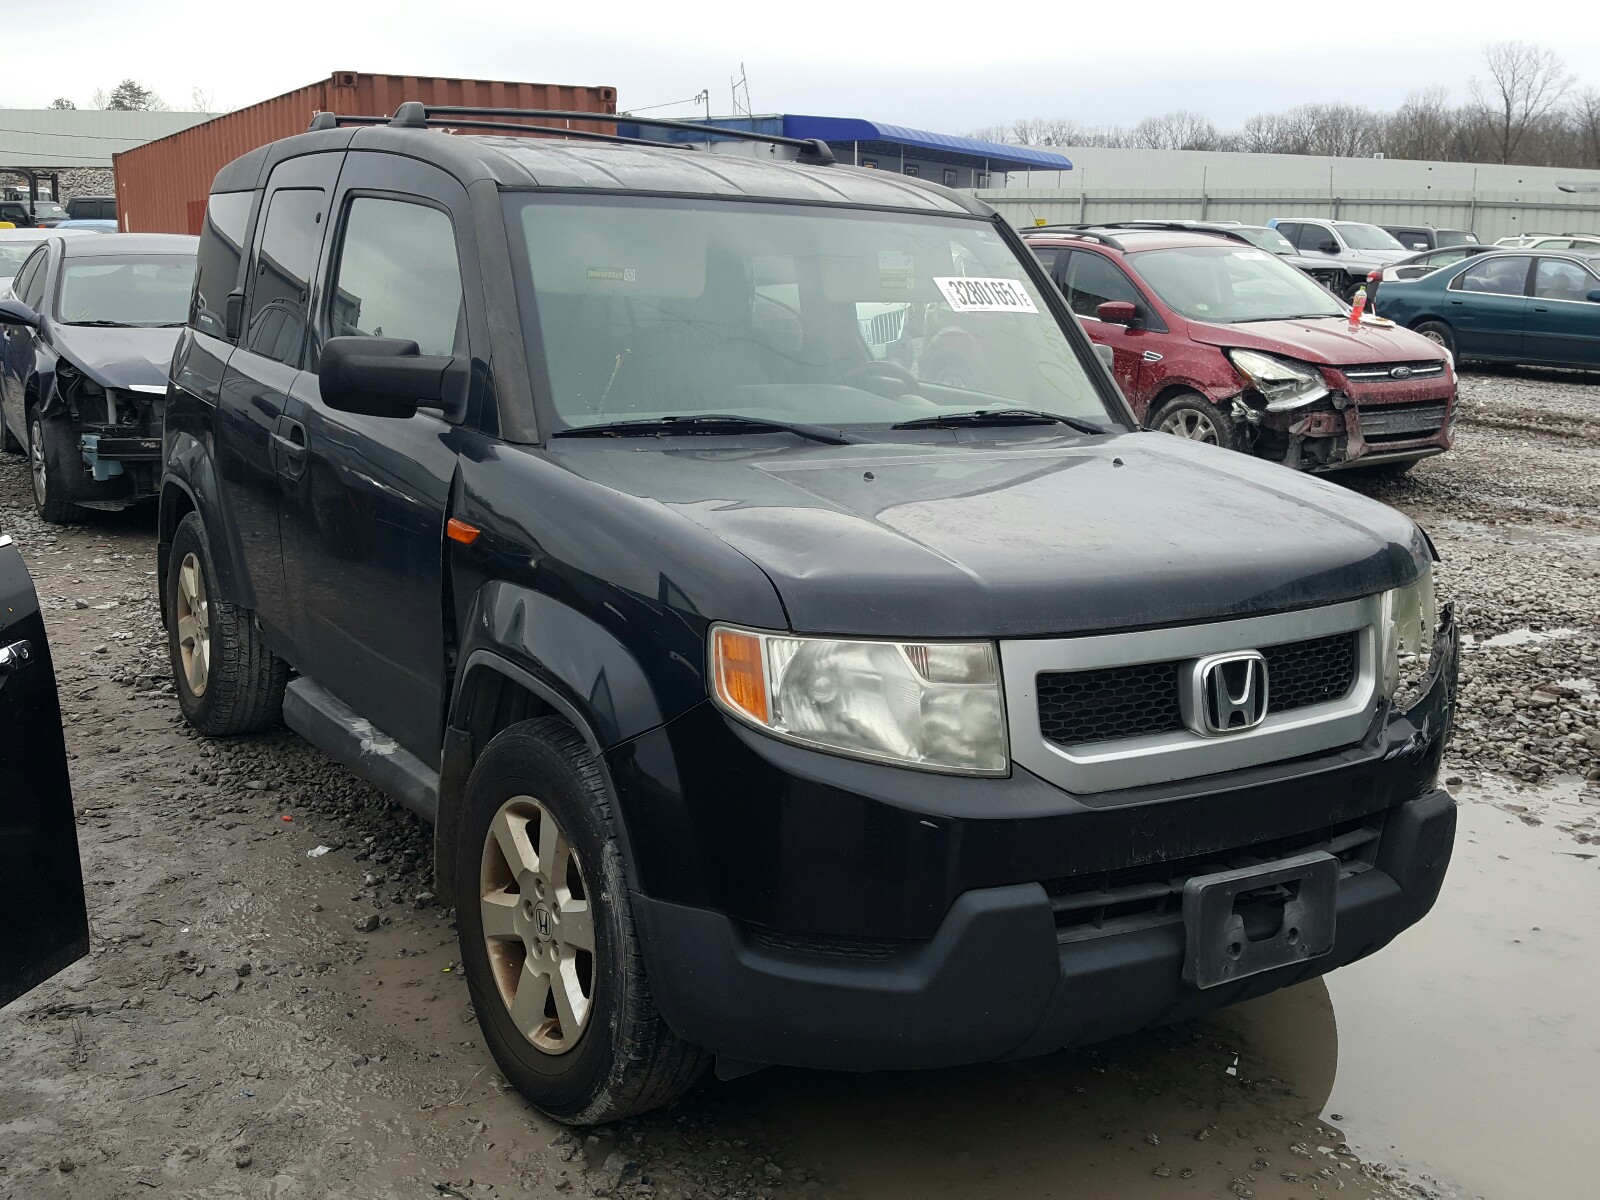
1489 215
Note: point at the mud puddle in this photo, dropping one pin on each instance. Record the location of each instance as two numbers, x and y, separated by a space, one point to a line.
1458 1062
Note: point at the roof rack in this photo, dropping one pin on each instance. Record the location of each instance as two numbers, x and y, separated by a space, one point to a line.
415 115
1181 226
1086 232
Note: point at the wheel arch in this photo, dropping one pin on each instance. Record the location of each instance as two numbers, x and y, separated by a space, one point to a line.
189 484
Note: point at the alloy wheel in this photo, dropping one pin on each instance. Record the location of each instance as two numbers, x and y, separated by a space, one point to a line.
194 624
41 479
1434 336
538 926
1196 426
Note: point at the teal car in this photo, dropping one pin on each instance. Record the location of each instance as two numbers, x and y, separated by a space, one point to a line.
1535 307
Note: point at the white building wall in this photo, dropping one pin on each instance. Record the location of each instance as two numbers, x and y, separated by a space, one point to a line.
1115 185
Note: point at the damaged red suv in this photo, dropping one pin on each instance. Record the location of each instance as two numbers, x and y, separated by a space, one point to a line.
1216 340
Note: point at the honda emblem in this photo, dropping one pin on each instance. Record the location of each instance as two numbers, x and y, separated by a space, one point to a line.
1227 693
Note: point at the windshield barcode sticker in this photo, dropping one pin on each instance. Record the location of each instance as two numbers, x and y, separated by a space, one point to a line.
986 295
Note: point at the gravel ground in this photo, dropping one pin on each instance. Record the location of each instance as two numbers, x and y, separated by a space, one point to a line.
261 1016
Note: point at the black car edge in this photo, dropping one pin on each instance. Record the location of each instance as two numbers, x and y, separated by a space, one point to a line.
88 336
747 565
41 883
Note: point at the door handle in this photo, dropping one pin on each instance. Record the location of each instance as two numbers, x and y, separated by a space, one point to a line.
290 440
14 657
1539 308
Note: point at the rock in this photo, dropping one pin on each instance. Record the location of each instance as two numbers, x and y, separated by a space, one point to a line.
367 923
80 603
243 969
66 1166
1162 1172
242 1157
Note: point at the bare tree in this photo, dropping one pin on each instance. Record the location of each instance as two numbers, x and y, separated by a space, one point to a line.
1585 122
201 100
62 103
1526 84
1181 129
131 96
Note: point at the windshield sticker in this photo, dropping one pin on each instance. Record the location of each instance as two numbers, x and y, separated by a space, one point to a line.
1258 254
619 274
986 295
896 269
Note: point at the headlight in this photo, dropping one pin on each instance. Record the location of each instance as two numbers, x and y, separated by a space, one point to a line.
932 705
1410 623
1285 384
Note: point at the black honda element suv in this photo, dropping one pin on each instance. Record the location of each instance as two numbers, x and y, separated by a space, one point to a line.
747 564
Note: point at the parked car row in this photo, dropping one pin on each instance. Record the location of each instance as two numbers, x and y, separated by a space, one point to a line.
1218 340
25 213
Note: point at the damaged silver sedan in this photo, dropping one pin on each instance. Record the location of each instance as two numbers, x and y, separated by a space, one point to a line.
89 331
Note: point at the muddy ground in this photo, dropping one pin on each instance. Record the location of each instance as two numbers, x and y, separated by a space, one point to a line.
234 1032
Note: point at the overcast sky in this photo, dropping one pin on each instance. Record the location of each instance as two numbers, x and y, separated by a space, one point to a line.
938 65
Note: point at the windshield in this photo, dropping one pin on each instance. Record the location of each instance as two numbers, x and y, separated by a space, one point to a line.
1267 239
145 289
1367 237
1227 284
13 255
652 307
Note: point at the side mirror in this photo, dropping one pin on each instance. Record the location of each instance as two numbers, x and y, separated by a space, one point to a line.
1118 312
233 316
1328 247
1593 296
15 312
387 377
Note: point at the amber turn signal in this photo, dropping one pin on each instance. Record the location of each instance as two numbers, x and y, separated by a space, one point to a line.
741 677
459 531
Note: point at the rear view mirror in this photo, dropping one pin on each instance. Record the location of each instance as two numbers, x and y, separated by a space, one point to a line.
387 377
15 312
1593 296
1118 312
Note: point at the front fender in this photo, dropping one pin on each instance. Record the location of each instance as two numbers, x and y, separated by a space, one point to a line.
563 656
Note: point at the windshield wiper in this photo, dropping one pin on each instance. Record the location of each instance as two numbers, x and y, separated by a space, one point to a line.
1296 317
708 423
99 324
1001 416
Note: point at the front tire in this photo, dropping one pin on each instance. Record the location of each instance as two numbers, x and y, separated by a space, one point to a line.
1190 415
228 681
47 448
547 936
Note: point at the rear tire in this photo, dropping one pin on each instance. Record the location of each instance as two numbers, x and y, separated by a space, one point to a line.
228 681
1439 332
547 935
1190 415
48 447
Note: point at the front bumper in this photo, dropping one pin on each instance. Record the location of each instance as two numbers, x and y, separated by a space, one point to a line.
802 909
998 980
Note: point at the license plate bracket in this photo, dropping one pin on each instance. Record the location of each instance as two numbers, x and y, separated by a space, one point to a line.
1218 945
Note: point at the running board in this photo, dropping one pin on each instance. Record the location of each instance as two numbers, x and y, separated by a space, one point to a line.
332 726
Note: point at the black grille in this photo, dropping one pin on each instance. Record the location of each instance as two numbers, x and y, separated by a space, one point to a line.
1300 674
1090 906
1401 422
1110 704
1384 372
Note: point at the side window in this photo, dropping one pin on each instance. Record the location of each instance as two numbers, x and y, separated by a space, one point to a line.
285 258
1313 236
1047 256
32 271
1500 276
1558 279
221 250
1290 230
398 276
1091 280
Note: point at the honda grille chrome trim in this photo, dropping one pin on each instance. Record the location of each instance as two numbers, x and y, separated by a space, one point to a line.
1184 753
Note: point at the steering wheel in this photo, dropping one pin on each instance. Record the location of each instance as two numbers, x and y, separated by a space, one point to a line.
883 372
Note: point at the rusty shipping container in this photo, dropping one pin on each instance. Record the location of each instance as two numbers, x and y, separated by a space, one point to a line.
162 185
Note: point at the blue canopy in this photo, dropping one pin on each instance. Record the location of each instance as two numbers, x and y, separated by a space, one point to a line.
850 129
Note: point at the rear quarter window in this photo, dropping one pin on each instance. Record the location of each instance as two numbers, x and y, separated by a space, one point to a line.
222 242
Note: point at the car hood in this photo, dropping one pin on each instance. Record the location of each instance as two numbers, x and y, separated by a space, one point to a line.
1016 536
1329 342
118 357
